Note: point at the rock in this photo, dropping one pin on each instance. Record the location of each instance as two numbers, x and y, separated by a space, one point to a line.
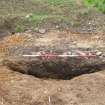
57 26
28 15
42 31
99 53
89 23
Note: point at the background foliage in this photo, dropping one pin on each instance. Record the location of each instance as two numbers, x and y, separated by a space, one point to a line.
100 4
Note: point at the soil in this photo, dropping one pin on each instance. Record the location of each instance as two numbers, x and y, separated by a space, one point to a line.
22 89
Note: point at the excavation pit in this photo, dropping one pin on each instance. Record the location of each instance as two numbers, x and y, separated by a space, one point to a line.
57 68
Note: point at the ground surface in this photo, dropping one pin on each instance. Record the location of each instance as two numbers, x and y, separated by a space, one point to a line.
19 16
45 25
21 89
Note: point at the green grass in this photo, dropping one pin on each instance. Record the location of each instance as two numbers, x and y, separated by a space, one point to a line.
99 4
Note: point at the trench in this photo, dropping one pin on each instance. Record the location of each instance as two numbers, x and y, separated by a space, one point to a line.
55 69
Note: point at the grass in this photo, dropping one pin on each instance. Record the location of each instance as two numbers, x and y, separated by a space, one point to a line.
65 13
99 4
42 11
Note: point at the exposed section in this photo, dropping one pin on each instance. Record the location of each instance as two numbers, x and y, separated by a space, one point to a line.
58 68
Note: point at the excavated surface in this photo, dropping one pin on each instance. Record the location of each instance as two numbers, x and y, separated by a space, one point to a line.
21 89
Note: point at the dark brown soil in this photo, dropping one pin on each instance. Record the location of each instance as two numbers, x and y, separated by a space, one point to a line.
58 68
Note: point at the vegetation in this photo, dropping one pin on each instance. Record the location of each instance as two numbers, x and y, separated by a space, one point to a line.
46 13
100 4
36 13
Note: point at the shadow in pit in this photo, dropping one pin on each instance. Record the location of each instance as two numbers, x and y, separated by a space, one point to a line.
55 69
